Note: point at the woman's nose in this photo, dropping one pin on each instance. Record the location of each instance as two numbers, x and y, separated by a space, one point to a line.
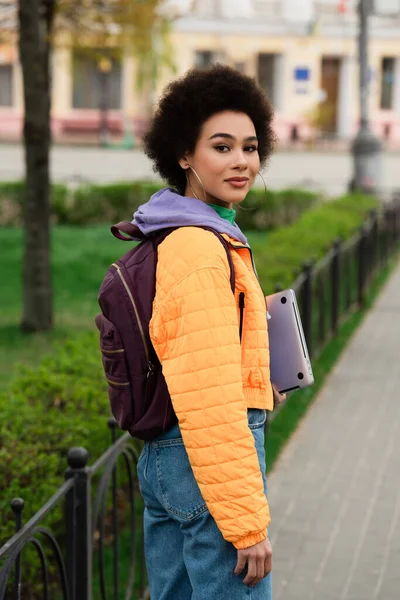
241 160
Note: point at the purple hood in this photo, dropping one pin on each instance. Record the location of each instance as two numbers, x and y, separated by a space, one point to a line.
167 208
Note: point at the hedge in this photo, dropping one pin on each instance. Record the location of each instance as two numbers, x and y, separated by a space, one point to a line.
64 403
309 238
11 202
92 204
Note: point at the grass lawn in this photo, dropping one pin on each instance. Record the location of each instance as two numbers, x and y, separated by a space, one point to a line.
80 258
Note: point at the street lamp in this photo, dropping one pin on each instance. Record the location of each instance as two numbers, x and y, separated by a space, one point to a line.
366 148
104 66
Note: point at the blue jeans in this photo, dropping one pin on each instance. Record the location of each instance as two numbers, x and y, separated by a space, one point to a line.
186 556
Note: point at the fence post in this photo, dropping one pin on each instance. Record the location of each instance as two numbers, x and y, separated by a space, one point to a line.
79 526
386 233
321 310
393 214
306 300
396 220
361 265
335 281
112 424
374 239
17 505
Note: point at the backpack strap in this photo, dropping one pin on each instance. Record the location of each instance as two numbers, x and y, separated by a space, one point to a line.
158 239
129 229
132 231
228 254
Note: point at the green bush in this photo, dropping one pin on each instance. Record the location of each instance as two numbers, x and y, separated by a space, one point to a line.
261 211
12 196
94 204
280 261
46 411
109 203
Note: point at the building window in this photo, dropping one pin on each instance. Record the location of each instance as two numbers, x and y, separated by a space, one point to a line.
88 82
327 113
6 85
266 73
387 83
240 66
204 59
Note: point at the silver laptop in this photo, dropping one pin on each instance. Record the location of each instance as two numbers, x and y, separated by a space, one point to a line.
289 360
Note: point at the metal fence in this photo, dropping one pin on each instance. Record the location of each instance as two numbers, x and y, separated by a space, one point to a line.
91 528
328 292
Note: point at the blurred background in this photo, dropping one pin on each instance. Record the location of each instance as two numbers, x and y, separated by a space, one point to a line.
304 54
79 82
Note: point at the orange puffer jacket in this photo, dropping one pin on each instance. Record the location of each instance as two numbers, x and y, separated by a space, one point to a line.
213 378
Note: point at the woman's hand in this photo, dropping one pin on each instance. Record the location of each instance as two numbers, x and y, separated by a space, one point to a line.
278 398
258 559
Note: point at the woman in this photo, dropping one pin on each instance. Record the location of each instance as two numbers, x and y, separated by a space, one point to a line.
203 481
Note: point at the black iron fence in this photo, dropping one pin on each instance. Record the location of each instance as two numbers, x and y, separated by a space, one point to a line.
69 563
328 292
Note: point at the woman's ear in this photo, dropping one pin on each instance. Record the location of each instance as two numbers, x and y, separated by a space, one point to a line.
183 162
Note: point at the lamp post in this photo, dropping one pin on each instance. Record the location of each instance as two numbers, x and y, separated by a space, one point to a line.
366 148
104 66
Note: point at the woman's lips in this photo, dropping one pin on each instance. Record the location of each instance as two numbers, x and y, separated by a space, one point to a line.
237 184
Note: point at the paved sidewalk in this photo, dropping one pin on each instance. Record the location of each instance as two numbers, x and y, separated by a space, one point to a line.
329 172
335 492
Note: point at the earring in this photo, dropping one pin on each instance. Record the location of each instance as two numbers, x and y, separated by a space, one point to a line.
190 185
200 182
265 185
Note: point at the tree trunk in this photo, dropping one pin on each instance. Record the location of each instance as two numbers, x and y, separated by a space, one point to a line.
35 24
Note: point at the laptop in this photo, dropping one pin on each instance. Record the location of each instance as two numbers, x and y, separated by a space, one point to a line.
290 363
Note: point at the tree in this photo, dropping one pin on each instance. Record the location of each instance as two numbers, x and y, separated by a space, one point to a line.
36 18
40 23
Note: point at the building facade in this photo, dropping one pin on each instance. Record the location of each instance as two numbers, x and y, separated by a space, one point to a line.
303 53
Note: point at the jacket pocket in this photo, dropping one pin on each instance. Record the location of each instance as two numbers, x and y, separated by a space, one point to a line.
256 417
116 371
180 493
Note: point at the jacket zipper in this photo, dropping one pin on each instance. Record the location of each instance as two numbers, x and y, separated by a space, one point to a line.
252 260
241 306
146 349
242 295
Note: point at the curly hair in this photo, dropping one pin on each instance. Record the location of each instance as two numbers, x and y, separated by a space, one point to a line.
189 101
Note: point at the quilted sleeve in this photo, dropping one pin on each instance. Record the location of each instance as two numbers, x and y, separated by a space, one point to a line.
195 333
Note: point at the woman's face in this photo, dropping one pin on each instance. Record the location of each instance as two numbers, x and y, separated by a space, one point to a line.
225 158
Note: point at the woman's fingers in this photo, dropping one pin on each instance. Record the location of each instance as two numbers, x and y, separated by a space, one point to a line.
251 577
278 398
241 563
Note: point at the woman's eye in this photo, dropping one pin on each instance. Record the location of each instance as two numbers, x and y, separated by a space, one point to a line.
225 148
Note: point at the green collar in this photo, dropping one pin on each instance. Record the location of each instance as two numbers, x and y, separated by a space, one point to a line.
229 214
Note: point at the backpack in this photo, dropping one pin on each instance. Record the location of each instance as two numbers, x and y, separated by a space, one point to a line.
138 393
